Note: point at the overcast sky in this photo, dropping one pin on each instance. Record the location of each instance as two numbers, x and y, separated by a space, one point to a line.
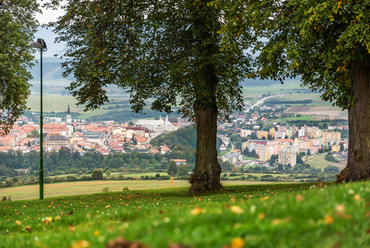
48 35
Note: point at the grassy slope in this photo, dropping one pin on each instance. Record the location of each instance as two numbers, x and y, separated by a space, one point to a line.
251 216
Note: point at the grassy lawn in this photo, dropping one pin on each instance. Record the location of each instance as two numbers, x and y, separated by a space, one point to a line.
275 215
28 192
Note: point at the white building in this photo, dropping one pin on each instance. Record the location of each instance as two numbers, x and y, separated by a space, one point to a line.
158 126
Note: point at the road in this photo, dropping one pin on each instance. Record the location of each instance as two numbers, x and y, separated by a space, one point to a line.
260 102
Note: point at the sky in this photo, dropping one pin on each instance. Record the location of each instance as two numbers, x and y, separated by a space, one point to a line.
47 34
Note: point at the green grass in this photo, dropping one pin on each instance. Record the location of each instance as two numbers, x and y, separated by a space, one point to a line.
251 216
28 192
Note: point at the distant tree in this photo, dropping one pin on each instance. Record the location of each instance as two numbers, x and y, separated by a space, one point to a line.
236 170
107 173
172 168
34 134
331 169
97 174
254 136
226 166
183 170
341 147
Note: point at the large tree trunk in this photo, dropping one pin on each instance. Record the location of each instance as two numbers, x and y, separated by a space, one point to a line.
207 169
358 167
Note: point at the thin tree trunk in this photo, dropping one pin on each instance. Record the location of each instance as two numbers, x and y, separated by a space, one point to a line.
207 169
358 166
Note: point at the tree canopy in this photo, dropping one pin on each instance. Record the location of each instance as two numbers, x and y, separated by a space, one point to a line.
17 27
169 51
154 50
326 43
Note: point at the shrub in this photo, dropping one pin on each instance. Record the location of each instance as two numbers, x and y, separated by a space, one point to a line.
165 177
97 175
9 182
71 178
105 190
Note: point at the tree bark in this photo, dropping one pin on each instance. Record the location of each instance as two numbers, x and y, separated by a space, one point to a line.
207 169
358 166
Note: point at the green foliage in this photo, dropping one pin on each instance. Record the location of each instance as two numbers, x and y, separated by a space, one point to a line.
172 168
183 170
17 27
97 174
318 41
329 157
160 56
331 169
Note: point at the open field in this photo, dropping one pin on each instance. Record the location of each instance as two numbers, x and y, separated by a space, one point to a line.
275 215
317 110
318 161
276 88
90 187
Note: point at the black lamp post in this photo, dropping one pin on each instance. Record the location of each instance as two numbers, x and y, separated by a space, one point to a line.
41 46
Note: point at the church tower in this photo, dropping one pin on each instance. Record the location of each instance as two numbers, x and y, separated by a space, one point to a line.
69 122
69 118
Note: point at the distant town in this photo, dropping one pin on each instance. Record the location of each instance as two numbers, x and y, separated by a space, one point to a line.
251 137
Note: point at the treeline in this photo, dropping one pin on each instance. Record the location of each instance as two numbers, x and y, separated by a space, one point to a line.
65 161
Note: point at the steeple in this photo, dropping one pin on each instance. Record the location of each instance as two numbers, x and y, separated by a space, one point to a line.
69 111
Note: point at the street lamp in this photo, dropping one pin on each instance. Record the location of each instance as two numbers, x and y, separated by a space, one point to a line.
41 46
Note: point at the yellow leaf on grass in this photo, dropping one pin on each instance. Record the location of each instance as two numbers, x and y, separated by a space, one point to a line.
236 209
328 219
196 211
261 216
237 243
81 244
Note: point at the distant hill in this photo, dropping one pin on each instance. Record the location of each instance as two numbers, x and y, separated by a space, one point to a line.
52 70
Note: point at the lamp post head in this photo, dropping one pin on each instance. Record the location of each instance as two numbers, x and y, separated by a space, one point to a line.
40 44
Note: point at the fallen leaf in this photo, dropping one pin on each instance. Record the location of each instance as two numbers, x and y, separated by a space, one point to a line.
71 228
280 221
121 243
28 229
261 216
178 246
18 223
237 243
299 198
81 244
196 211
69 213
236 209
328 219
357 197
264 198
340 208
